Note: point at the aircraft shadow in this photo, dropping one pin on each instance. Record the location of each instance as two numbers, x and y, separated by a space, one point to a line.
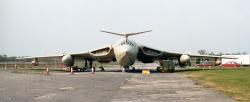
137 71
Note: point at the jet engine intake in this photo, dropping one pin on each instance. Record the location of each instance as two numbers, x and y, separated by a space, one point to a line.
101 52
68 60
150 51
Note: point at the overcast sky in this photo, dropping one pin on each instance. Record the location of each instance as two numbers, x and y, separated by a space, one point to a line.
45 27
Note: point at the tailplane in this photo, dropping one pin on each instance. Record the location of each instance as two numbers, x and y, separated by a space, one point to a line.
126 34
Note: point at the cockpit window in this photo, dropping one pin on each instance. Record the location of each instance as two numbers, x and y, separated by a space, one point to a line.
127 43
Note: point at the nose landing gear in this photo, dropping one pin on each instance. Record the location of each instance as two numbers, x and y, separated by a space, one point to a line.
125 68
133 68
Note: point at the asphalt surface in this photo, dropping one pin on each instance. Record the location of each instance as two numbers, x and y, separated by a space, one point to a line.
61 87
170 87
103 87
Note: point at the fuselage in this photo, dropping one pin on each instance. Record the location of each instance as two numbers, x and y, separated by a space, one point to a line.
126 51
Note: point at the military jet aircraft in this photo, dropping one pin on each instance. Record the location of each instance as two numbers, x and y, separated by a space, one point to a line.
125 52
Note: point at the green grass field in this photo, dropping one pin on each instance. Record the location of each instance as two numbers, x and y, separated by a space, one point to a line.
233 82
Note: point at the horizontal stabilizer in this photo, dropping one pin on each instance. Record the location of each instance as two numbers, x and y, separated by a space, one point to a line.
126 34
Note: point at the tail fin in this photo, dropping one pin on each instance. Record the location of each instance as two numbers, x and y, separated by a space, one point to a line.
126 34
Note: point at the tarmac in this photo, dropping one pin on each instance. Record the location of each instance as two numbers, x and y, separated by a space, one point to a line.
111 86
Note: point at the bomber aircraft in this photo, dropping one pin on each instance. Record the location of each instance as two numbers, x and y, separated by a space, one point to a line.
125 52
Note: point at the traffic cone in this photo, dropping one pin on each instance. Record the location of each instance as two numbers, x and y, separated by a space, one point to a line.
47 72
93 70
71 71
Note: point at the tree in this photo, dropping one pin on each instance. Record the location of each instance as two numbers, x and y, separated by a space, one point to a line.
211 53
244 53
3 58
202 52
220 54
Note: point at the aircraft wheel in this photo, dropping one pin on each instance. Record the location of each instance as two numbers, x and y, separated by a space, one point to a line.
171 70
133 68
102 69
158 69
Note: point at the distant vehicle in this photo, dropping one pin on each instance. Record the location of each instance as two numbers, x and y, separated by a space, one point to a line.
244 60
231 64
204 64
35 62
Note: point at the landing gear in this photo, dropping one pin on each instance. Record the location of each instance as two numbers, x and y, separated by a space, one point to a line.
102 69
87 66
158 69
133 68
125 68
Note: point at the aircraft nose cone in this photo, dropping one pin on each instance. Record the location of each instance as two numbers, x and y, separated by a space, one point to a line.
125 53
125 56
126 50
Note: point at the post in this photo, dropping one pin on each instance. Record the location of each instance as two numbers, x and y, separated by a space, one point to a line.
15 64
55 64
90 63
47 71
86 63
93 70
5 66
24 65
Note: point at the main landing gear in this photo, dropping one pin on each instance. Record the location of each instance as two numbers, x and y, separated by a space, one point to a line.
102 69
124 68
127 68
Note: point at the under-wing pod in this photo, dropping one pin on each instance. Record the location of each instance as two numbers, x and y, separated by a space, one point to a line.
184 60
68 60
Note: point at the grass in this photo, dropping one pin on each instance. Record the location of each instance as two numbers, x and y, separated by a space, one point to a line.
233 82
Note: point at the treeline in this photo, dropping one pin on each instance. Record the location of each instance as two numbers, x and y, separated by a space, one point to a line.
6 58
205 52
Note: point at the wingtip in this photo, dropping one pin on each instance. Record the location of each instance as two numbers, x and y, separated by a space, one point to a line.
102 30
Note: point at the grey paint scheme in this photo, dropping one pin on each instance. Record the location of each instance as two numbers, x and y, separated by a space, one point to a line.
126 52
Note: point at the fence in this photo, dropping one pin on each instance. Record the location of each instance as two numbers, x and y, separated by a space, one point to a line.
16 65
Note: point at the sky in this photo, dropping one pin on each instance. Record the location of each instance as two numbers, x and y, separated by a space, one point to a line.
46 27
